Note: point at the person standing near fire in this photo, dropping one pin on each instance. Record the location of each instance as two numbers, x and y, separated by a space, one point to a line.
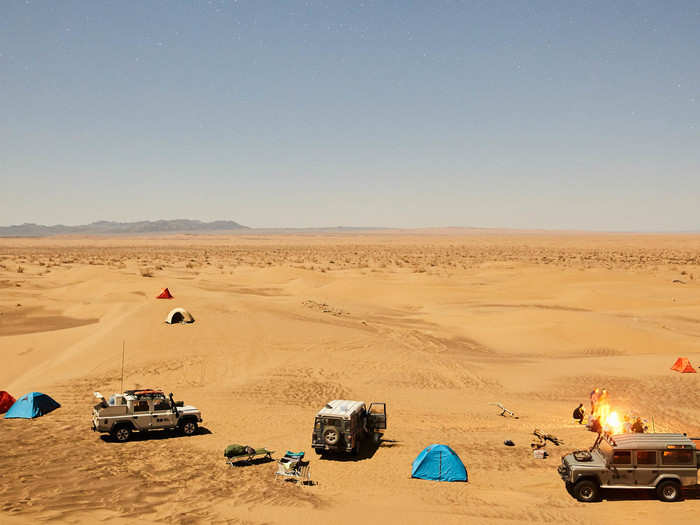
595 394
638 426
579 413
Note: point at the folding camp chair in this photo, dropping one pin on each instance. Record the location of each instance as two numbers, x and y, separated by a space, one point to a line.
293 466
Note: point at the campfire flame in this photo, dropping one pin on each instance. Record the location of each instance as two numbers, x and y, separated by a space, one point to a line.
613 424
610 421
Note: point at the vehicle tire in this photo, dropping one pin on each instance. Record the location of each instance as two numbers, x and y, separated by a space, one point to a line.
586 491
668 490
331 436
189 428
122 433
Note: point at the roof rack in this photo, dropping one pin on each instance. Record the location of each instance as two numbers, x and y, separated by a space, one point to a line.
145 392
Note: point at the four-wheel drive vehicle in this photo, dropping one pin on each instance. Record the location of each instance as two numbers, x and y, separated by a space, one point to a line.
342 425
141 411
661 462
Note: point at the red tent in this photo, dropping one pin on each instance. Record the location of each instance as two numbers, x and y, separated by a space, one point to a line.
682 365
6 401
165 294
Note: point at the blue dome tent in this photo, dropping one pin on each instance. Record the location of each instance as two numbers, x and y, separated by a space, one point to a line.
439 463
34 404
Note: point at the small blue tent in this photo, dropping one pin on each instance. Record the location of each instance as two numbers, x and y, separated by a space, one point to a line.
32 405
439 463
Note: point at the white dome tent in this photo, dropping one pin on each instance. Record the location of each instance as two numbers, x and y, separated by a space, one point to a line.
179 315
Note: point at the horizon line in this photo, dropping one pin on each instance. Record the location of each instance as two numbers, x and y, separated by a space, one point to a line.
243 228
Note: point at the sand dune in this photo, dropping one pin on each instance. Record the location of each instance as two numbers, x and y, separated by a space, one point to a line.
437 324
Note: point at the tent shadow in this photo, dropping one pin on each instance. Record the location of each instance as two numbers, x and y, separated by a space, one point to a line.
155 435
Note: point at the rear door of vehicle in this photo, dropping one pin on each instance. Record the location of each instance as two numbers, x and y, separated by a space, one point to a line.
376 416
647 467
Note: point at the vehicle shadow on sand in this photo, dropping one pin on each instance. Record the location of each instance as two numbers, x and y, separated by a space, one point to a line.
688 493
154 435
368 449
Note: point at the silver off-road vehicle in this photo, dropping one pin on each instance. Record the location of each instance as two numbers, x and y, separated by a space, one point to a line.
141 411
342 425
661 462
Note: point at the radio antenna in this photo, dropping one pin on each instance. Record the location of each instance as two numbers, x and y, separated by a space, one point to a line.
123 343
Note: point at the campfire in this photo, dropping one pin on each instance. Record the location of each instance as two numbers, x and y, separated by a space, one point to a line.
607 421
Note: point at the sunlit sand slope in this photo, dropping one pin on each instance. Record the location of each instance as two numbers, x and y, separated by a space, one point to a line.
439 325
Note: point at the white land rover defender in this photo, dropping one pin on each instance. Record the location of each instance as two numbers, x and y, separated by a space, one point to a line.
342 425
665 463
141 411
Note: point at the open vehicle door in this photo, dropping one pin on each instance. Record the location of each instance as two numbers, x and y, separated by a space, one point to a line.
376 416
102 403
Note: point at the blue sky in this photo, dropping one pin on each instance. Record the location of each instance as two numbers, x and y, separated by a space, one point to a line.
302 114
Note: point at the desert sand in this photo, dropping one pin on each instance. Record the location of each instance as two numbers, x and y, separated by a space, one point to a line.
438 324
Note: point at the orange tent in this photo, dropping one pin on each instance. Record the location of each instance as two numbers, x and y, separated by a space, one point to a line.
165 294
682 365
6 401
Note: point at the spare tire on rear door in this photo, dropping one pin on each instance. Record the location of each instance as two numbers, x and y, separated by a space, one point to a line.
331 436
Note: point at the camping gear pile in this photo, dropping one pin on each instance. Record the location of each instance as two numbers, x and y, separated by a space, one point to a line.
541 439
290 466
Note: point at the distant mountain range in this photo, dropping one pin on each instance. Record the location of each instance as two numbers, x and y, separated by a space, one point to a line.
113 228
